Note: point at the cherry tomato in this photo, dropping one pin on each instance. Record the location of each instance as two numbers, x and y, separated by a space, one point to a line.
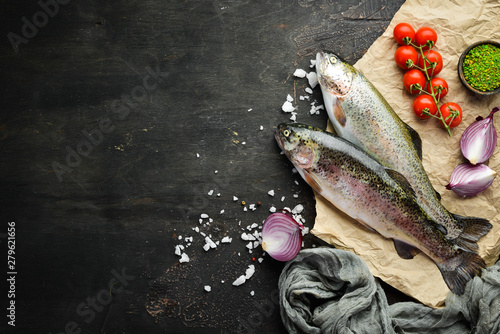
413 77
436 83
405 53
432 57
404 31
451 108
425 34
422 102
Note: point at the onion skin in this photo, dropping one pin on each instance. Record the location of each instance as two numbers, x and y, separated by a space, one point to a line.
479 140
281 236
469 180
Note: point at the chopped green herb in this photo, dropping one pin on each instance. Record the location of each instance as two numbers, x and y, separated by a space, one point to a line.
482 67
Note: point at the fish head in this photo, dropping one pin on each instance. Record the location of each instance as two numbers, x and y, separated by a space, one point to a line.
334 74
298 144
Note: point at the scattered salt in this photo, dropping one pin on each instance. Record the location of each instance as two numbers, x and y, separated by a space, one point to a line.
299 73
312 78
272 209
249 245
210 242
250 109
222 211
197 155
261 128
282 198
204 215
207 288
313 63
240 280
210 193
235 198
298 208
254 225
287 107
289 98
308 90
226 240
250 271
252 293
184 258
270 192
293 117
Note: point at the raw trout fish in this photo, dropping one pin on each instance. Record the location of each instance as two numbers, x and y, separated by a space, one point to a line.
361 115
377 197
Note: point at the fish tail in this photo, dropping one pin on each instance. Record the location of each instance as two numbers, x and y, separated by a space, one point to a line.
461 269
474 229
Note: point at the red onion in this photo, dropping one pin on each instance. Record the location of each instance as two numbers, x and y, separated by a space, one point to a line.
479 139
469 180
281 236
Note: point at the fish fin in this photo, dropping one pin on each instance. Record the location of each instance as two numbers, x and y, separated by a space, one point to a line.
415 138
338 112
365 225
474 229
438 195
401 180
311 181
405 251
461 269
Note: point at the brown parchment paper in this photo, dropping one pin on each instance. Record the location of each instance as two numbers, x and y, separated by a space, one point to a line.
458 24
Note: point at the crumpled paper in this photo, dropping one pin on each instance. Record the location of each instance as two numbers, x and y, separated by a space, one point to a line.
458 24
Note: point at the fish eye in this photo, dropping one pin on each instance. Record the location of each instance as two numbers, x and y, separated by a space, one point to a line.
286 133
333 59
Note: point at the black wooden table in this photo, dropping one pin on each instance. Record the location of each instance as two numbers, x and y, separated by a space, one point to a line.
131 129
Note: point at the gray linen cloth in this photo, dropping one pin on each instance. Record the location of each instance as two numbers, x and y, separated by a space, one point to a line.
327 290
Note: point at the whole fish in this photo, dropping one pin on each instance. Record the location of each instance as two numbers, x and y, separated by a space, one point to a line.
376 196
361 115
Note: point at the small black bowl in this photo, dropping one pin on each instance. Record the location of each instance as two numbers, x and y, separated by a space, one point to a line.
461 70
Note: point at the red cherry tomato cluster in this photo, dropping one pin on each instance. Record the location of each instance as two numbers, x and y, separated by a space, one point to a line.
422 64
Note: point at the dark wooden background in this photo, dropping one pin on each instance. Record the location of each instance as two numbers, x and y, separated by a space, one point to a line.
173 94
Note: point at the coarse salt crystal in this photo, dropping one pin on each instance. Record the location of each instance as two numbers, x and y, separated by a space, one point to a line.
254 225
252 207
250 109
313 63
298 208
299 73
210 193
247 237
235 198
308 90
252 293
240 280
272 209
207 288
282 198
289 98
260 259
293 117
197 155
210 242
287 107
270 192
206 247
249 245
226 240
204 215
178 250
250 271
222 211
312 78
184 258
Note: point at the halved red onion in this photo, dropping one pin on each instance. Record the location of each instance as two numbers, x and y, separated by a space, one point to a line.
281 236
468 180
479 139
